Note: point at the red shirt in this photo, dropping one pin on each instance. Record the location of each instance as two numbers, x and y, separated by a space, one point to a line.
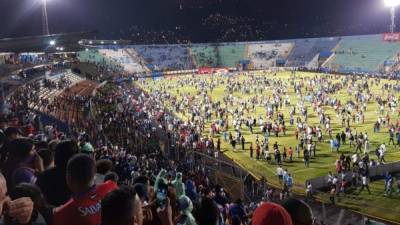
85 208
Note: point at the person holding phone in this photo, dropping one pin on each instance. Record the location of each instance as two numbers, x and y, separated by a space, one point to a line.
19 209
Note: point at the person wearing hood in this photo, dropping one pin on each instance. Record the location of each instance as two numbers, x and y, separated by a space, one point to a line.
271 214
185 207
179 185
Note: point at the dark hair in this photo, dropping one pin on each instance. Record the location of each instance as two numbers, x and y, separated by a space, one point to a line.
64 151
296 208
113 176
208 212
117 206
103 166
81 168
236 220
141 179
47 156
20 148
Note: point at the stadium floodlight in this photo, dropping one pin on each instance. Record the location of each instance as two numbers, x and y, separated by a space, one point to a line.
392 4
102 42
115 42
52 42
90 42
61 48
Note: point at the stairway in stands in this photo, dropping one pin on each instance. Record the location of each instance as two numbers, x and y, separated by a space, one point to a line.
50 94
136 58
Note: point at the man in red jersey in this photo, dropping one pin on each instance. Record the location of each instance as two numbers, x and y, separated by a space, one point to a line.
84 207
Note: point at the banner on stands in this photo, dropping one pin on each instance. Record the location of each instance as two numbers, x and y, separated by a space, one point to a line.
391 36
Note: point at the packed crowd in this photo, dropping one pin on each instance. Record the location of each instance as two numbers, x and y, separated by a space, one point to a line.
50 178
106 172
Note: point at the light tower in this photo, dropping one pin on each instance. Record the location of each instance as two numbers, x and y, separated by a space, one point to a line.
45 23
392 4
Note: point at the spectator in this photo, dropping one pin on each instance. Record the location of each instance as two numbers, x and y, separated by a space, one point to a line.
208 212
48 158
103 166
41 213
19 209
299 211
271 214
22 162
121 206
55 177
84 206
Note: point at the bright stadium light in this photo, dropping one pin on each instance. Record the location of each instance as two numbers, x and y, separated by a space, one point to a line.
52 42
392 4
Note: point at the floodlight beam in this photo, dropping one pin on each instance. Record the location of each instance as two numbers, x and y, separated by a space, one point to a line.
392 17
45 22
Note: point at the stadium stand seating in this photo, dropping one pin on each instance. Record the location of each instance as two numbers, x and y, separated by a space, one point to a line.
165 57
230 54
205 55
264 55
51 93
93 56
121 57
362 54
306 49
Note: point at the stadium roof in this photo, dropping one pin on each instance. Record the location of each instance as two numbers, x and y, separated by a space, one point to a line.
68 41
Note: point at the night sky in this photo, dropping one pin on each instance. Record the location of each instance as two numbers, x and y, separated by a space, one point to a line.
112 18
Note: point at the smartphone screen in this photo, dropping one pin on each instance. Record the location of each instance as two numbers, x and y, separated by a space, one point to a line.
162 195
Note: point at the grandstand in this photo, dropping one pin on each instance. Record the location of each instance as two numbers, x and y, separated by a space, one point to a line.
230 54
264 55
362 54
121 57
306 49
49 93
205 55
366 53
73 111
165 57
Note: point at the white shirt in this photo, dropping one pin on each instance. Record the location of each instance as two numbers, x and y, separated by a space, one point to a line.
364 180
279 171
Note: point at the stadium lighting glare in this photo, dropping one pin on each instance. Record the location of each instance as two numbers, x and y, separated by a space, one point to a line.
52 42
102 42
392 3
61 48
90 42
45 20
115 42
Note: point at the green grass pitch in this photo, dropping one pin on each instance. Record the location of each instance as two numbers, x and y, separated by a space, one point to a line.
375 204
